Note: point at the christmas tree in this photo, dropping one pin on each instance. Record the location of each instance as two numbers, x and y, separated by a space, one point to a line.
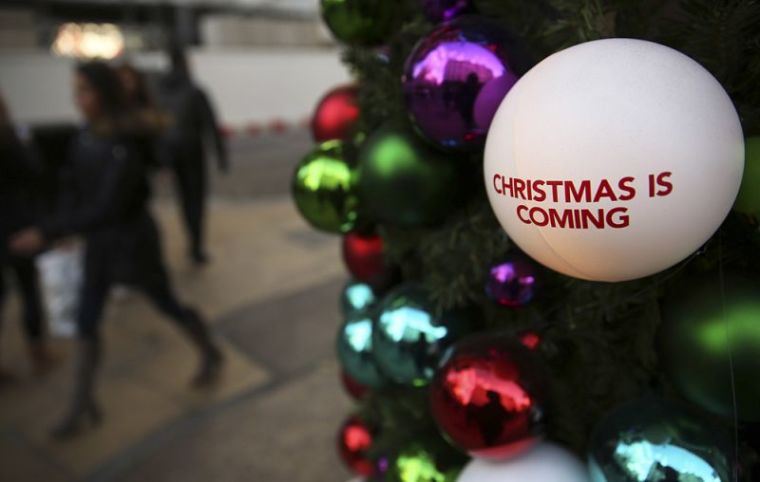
532 337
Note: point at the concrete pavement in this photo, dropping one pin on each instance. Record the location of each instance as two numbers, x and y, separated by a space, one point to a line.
271 295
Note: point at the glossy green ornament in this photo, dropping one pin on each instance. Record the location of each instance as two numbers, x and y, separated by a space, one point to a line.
356 297
404 181
360 22
410 337
355 351
324 189
706 327
419 465
748 200
651 440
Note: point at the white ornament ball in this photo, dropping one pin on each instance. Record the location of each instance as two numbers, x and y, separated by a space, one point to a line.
614 159
545 462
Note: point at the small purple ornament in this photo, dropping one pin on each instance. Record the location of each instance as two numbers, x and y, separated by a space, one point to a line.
456 78
444 10
512 283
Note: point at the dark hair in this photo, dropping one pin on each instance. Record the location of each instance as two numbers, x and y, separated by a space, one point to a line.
106 84
178 60
143 97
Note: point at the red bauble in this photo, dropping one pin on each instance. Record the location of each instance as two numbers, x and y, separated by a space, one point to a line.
488 396
364 258
352 387
336 115
354 440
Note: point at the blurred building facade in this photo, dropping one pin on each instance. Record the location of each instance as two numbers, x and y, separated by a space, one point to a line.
261 60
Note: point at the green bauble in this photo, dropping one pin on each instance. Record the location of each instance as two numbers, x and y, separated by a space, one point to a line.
355 351
409 337
360 22
704 333
650 440
404 181
324 189
356 297
420 465
748 200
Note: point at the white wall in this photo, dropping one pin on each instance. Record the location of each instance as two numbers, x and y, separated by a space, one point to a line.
252 85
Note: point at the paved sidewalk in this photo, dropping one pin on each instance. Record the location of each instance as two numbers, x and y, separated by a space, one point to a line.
271 295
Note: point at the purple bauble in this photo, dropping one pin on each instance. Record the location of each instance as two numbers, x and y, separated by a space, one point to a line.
445 10
512 283
456 78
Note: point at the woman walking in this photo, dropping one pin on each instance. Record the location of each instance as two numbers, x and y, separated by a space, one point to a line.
105 199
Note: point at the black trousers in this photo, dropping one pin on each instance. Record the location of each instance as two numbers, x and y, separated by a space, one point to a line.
94 295
131 256
190 177
24 271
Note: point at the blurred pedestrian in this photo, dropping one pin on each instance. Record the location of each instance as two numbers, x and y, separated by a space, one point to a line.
20 204
185 143
105 199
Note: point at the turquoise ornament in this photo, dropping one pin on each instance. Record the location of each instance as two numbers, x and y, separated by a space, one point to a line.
651 440
355 351
410 337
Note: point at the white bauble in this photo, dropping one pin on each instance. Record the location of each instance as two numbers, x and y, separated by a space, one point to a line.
545 462
596 121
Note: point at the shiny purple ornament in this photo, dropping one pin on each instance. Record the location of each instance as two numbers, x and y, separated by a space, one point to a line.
445 10
512 283
456 78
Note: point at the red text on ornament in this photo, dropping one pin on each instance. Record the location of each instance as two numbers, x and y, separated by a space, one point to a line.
615 218
568 191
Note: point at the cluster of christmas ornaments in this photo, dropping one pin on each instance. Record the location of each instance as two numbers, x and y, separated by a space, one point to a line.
595 161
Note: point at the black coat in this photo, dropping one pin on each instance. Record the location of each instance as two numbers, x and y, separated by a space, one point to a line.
104 197
19 188
193 122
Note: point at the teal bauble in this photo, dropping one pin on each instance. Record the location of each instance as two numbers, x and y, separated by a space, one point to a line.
360 22
324 189
410 336
355 350
711 337
651 440
404 181
356 297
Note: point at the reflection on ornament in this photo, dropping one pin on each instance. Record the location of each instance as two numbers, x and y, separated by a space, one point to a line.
323 188
456 78
512 283
355 439
356 297
355 351
488 396
418 465
409 337
651 440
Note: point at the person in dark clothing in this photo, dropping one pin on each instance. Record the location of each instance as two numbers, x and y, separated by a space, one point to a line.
19 208
105 199
193 119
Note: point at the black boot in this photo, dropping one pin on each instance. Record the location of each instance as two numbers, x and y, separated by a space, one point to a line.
83 411
211 357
